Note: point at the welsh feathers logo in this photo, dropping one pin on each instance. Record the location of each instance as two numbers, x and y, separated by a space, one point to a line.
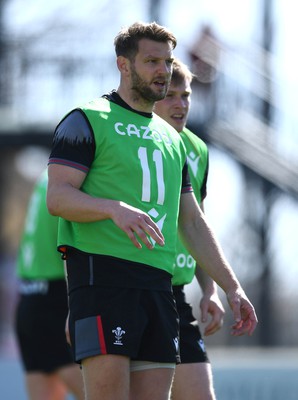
118 332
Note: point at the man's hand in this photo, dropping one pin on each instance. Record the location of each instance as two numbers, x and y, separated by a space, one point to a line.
136 223
213 306
244 313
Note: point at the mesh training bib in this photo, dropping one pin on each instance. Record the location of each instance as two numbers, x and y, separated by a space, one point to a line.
38 257
138 160
197 157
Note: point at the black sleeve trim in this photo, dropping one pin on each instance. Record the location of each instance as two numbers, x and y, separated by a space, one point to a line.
186 183
74 142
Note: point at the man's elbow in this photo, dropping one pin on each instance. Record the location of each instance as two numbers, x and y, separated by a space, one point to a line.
53 205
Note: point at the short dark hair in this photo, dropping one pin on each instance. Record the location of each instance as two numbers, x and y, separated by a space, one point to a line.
127 41
180 72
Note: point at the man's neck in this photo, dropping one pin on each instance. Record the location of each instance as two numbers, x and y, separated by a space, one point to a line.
135 102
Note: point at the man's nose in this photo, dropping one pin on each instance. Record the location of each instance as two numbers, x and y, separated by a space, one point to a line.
164 68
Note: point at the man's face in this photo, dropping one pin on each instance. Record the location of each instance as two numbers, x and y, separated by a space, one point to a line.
175 106
151 70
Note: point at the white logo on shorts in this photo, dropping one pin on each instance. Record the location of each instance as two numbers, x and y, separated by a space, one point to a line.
202 345
119 332
176 343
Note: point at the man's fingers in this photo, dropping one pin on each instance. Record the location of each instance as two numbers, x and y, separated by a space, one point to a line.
235 304
204 312
214 325
132 237
247 325
211 328
134 233
153 231
139 232
138 226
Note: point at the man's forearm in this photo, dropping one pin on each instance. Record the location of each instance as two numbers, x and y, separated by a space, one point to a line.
74 205
207 284
206 250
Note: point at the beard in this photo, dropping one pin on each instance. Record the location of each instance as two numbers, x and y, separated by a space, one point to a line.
142 88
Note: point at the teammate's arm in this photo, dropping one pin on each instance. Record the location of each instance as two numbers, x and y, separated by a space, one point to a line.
202 244
210 303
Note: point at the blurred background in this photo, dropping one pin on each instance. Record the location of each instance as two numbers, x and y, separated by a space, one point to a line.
56 55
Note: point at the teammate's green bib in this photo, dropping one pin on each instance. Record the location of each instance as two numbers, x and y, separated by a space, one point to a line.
38 257
197 158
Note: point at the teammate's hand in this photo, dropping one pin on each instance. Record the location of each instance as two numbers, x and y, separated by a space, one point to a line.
212 305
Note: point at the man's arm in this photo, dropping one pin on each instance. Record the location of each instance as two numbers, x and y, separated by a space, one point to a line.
210 302
201 242
66 200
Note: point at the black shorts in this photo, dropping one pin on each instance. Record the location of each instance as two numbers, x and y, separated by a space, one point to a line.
192 347
140 323
40 326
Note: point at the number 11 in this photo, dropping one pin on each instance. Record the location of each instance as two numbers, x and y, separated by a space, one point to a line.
146 187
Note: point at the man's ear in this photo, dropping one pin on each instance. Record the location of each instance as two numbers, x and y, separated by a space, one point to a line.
123 65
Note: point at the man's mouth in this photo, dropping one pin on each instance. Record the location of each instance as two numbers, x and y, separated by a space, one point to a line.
178 116
160 83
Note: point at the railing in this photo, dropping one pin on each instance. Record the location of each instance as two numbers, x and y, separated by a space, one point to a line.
243 82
